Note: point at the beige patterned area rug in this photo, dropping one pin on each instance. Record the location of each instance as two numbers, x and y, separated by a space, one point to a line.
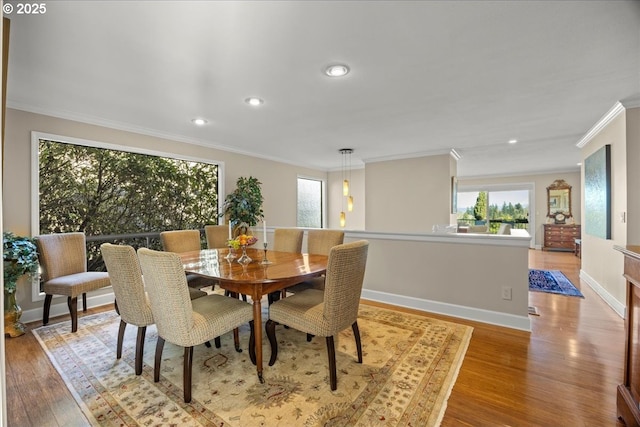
410 364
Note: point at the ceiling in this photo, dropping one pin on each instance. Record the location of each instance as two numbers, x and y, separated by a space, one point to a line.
426 76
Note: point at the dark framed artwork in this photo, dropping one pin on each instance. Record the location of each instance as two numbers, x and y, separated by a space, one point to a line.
597 193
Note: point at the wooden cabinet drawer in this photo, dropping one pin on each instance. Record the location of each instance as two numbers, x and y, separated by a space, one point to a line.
560 236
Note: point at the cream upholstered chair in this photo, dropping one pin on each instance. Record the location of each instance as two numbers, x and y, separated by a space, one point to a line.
180 241
319 242
181 321
288 240
217 236
63 259
504 229
132 302
326 313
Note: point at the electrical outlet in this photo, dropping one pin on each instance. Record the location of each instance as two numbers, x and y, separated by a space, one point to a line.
506 293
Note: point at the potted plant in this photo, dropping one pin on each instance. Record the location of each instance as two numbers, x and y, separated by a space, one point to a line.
243 207
20 257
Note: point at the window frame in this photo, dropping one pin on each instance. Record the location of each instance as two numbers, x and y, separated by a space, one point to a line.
323 195
36 136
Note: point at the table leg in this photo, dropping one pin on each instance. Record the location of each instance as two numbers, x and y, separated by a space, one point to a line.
257 323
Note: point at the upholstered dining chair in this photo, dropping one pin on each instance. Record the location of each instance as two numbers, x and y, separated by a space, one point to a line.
217 236
180 241
63 259
184 322
131 300
319 242
288 240
132 303
326 313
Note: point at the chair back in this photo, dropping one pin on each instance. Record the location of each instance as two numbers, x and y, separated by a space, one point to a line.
166 285
320 242
343 284
504 229
61 254
217 236
126 279
288 240
179 241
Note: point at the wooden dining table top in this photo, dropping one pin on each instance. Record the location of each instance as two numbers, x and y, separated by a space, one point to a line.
255 279
284 267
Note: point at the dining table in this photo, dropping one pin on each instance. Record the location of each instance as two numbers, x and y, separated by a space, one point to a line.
269 272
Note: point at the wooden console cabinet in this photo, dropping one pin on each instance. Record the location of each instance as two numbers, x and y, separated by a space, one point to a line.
560 237
628 396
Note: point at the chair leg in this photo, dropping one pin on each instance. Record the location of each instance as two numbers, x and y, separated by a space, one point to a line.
356 334
270 327
236 340
47 308
217 342
252 343
309 337
186 382
123 326
73 310
331 352
84 302
158 359
115 306
140 348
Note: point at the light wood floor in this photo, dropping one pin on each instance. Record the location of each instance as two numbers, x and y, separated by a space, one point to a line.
563 373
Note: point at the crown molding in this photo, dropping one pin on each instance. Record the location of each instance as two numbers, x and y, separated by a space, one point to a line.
616 110
407 156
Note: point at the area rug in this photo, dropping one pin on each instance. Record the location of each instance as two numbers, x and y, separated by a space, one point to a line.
410 364
552 281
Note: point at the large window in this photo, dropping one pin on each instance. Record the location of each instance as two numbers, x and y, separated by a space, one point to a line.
310 203
494 206
101 190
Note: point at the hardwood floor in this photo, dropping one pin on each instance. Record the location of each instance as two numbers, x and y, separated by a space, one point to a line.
563 373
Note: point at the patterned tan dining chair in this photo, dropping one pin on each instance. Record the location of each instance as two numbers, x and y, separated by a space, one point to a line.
326 313
319 242
63 259
184 322
288 240
132 302
217 236
179 241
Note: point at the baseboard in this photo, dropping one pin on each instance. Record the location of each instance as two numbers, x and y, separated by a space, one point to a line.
485 316
469 313
61 309
619 308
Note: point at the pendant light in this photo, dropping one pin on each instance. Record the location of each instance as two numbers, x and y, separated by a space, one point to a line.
346 181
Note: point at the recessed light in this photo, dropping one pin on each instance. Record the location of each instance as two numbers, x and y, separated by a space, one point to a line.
513 141
254 101
199 122
336 70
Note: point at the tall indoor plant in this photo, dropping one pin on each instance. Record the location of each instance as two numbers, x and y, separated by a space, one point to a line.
20 257
243 207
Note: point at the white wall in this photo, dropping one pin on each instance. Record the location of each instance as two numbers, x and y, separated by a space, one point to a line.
408 195
602 266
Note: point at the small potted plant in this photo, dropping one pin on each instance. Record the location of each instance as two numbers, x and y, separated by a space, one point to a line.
20 257
244 205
